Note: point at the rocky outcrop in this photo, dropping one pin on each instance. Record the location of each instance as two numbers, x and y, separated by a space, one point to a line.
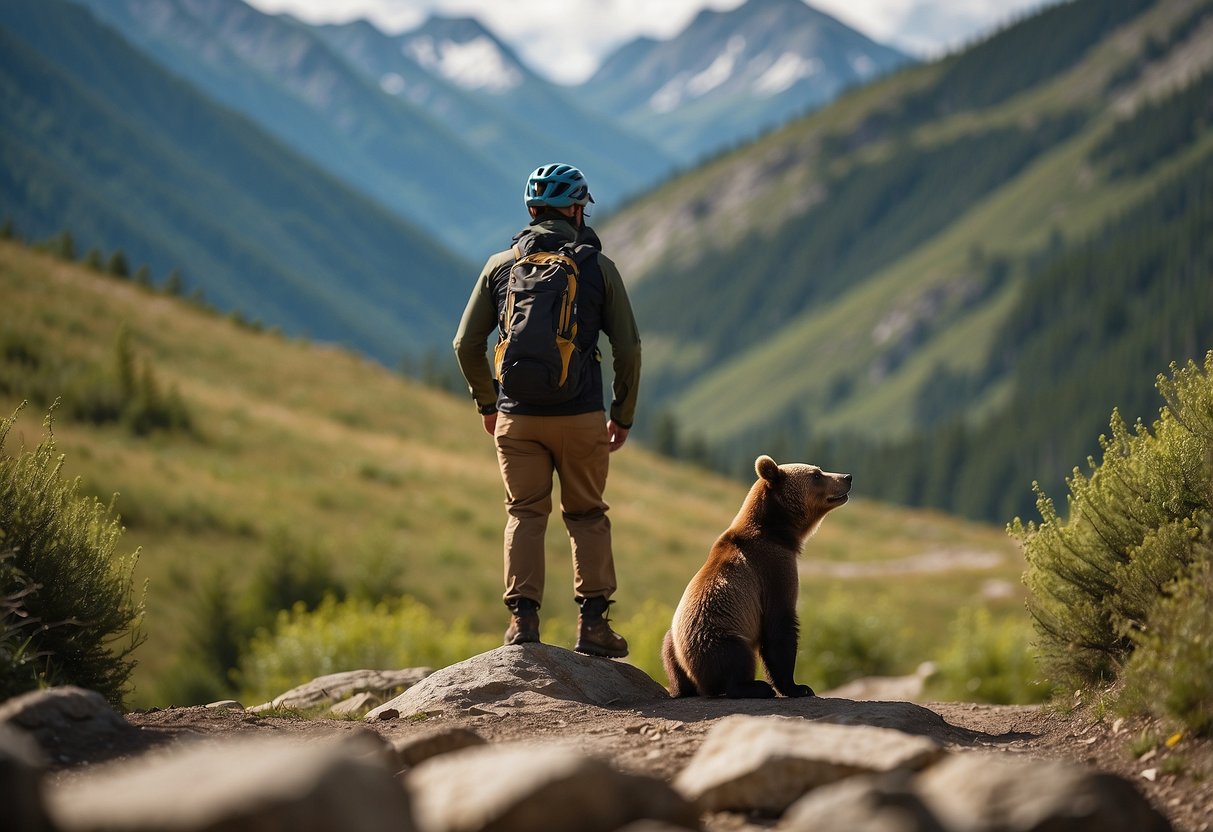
834 766
510 677
519 787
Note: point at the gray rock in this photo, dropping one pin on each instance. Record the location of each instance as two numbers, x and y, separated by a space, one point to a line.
514 787
21 767
766 763
337 686
358 703
225 705
862 804
49 715
409 752
239 785
984 792
514 676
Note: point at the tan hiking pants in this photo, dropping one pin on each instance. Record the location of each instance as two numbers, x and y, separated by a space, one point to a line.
529 449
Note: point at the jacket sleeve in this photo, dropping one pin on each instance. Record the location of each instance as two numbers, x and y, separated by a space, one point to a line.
471 347
619 324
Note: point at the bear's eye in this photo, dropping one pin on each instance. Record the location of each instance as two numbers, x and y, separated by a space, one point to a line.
817 476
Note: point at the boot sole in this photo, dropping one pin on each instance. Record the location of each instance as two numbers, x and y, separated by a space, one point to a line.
522 640
600 652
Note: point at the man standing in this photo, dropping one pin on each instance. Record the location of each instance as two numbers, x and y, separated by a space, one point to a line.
560 430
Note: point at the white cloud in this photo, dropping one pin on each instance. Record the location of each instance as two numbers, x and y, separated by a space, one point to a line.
566 39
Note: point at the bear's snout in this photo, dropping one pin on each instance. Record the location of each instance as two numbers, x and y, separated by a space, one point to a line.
840 496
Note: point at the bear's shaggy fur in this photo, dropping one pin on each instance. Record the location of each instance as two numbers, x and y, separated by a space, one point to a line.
742 602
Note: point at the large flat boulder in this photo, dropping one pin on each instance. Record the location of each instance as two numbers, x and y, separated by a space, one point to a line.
52 715
239 785
517 675
988 792
335 687
517 787
766 763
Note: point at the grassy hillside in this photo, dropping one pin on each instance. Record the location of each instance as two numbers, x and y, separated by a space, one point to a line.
97 139
851 275
312 454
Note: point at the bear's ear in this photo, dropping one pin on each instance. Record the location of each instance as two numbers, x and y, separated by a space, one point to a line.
767 468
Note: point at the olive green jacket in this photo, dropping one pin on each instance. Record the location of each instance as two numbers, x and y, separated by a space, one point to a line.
480 319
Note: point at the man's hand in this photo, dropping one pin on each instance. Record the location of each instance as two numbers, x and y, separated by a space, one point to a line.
616 435
490 423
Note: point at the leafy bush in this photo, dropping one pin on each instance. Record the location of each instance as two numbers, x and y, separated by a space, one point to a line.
1102 581
840 642
62 577
989 661
349 635
1170 673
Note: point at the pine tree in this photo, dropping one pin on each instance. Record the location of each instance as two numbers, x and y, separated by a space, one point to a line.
117 264
93 259
65 246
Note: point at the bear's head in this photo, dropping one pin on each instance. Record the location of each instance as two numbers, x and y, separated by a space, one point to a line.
805 493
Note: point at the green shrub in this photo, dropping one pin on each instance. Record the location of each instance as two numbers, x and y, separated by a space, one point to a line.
840 642
1171 671
62 573
1137 525
988 660
349 635
18 656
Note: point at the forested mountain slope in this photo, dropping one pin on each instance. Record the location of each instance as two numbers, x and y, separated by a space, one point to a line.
285 78
861 272
99 140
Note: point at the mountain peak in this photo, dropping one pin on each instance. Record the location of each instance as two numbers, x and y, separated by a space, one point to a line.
462 51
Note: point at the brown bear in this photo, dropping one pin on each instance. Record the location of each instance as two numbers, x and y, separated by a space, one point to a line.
742 601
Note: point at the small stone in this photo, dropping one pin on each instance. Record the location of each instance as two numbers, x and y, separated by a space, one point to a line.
412 751
226 705
356 704
1150 774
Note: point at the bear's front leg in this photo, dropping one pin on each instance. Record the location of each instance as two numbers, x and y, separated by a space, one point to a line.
778 649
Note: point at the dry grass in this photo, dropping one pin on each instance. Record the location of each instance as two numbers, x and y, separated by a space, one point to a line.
373 471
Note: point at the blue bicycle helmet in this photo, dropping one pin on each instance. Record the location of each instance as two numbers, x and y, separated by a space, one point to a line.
556 185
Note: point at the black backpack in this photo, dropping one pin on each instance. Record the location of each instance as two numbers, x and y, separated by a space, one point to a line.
537 360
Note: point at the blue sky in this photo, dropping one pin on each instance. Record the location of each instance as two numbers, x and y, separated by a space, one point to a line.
538 29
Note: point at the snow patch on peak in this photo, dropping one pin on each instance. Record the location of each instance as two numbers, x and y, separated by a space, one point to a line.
476 64
685 86
392 83
786 71
863 65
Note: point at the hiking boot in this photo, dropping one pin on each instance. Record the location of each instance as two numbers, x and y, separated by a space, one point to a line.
524 622
594 634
